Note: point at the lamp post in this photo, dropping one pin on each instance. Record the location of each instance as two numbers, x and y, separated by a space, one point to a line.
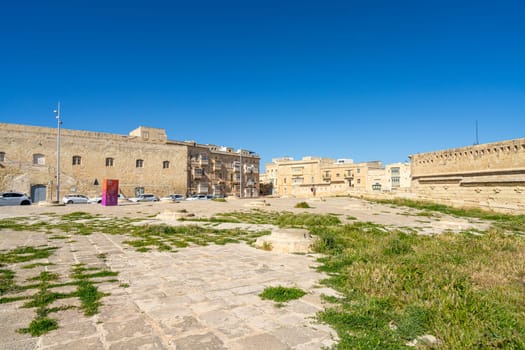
57 111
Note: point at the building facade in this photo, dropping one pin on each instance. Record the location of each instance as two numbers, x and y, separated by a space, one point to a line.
321 176
144 161
398 177
489 175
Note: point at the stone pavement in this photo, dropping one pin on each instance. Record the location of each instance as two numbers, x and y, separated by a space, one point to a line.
196 298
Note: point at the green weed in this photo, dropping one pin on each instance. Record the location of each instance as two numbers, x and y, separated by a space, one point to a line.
302 205
281 294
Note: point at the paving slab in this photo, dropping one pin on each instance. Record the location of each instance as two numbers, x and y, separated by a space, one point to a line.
195 298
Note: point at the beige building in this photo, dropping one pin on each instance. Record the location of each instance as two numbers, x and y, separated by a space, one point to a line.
144 161
489 175
324 176
398 177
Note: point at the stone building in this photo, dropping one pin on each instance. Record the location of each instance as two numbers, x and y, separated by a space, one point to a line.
327 176
144 161
398 177
489 175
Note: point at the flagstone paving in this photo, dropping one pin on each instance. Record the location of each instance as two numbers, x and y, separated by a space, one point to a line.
194 298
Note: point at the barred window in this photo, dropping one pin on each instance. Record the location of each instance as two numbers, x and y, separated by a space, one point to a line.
139 163
109 162
165 164
77 160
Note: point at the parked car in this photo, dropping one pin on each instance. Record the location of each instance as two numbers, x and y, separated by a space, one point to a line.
145 198
75 199
173 197
198 197
98 199
14 198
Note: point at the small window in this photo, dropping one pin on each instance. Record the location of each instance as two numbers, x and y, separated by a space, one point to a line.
358 180
77 160
39 159
2 156
139 163
109 162
358 170
165 164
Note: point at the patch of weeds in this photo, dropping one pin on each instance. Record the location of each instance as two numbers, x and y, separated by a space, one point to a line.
77 215
39 326
124 285
302 205
350 218
281 294
508 222
397 285
267 246
32 266
102 256
23 254
222 200
59 237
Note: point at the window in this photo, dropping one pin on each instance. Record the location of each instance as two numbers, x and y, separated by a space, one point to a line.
2 156
109 162
358 170
77 160
358 181
395 181
139 163
297 181
165 164
376 187
39 159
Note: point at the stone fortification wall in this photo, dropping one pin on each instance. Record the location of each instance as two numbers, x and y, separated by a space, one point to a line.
20 170
491 176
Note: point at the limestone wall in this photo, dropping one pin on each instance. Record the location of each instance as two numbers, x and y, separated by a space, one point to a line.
490 176
30 155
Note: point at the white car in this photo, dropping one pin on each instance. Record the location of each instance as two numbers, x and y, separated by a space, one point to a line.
145 198
14 198
98 199
75 199
173 198
199 197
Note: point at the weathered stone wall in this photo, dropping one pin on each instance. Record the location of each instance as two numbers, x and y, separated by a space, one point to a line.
491 176
19 172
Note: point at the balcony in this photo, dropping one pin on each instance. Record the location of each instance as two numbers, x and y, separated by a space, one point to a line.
252 170
197 173
327 176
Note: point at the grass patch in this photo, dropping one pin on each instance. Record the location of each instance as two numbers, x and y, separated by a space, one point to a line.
23 254
465 289
281 294
513 223
302 205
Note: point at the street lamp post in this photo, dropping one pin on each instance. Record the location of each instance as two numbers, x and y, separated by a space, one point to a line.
240 174
57 111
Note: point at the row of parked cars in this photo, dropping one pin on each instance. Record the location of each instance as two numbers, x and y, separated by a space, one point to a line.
19 198
78 198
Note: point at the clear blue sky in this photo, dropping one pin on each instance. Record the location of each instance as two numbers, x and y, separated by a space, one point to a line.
367 80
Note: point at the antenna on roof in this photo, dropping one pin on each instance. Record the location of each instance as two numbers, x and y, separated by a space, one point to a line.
477 139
